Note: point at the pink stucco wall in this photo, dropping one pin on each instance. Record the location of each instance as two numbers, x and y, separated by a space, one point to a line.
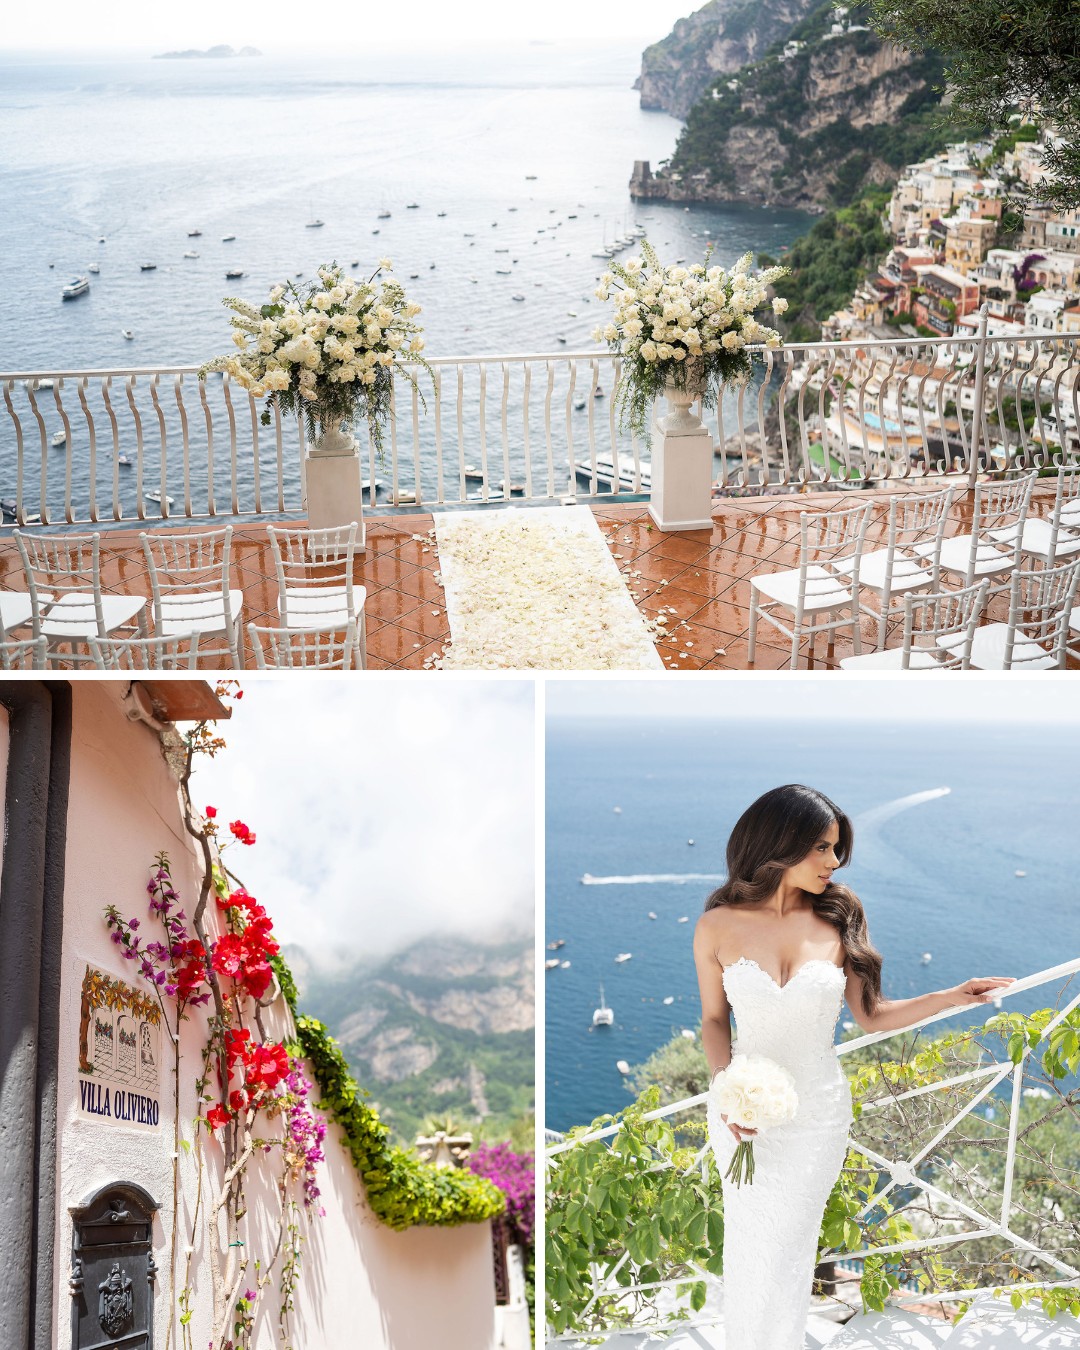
362 1285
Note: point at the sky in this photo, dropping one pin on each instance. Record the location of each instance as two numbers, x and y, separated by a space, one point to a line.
384 812
276 26
769 695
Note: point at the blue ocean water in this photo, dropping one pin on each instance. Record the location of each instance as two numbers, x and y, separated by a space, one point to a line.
936 873
527 150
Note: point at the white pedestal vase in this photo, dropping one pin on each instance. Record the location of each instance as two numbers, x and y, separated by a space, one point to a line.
682 466
332 474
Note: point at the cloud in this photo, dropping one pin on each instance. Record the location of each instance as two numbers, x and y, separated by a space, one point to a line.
385 811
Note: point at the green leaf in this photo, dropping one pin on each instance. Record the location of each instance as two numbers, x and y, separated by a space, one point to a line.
697 1295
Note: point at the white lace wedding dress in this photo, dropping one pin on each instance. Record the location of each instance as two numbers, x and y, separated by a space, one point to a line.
771 1226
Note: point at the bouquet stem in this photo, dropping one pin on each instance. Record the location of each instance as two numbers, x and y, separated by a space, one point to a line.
741 1167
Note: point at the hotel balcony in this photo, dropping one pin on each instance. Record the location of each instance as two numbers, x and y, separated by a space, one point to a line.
121 452
982 1224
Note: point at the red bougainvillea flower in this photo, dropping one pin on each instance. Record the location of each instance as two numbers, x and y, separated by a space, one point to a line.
269 1065
228 955
237 1045
217 1116
241 832
210 812
238 1099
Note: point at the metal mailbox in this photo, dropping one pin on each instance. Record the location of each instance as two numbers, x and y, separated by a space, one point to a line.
113 1270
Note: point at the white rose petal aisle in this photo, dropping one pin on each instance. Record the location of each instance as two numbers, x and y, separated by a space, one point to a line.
536 589
755 1093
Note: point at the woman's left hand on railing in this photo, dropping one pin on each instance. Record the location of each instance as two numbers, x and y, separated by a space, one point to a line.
980 989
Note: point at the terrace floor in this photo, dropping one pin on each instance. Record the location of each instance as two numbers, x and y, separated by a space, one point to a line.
696 580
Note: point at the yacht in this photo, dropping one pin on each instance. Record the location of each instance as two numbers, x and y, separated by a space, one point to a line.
603 1016
123 461
76 286
314 224
383 215
503 272
517 297
622 1066
94 268
412 206
148 267
127 333
59 439
554 946
605 473
194 234
233 274
227 238
623 956
553 964
191 253
440 214
669 1000
156 497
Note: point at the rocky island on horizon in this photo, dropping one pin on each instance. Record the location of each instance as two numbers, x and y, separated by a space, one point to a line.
215 53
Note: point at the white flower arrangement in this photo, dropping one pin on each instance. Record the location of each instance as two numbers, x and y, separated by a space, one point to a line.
756 1093
693 327
328 351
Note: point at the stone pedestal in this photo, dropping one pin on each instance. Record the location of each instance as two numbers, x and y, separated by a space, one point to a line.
682 467
334 493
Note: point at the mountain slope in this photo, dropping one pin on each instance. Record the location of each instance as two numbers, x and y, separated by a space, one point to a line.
442 1028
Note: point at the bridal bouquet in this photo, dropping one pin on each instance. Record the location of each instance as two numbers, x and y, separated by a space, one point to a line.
327 350
688 327
756 1093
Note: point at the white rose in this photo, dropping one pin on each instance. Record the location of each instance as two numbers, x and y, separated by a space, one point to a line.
611 333
648 351
386 265
779 305
277 294
732 341
322 300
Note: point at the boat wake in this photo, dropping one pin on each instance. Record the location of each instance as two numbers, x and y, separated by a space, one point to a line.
650 878
877 815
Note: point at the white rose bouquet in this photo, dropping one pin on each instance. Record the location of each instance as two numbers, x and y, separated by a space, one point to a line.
693 327
756 1093
327 351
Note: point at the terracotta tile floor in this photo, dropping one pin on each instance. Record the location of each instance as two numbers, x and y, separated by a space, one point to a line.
696 580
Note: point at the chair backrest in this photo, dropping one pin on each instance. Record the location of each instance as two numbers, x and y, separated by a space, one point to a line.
328 648
1066 497
68 566
185 565
154 653
933 615
999 505
24 654
830 536
312 560
1040 606
918 519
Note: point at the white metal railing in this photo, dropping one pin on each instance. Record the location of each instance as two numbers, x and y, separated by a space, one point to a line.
91 446
901 1172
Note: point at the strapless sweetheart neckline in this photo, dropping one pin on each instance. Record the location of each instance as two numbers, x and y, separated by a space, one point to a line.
814 961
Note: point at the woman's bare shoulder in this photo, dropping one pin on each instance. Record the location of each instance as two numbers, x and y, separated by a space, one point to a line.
712 927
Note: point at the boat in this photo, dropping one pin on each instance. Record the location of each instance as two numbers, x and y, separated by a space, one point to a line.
440 214
233 273
38 384
59 439
412 206
560 338
503 272
623 956
517 297
156 497
314 224
194 234
669 1001
8 506
530 178
688 1035
553 964
603 1016
355 262
191 253
148 267
652 914
101 240
94 268
227 238
473 474
605 471
926 958
579 405
76 286
685 918
554 946
690 843
616 810
622 1066
127 333
564 965
502 250
123 461
1020 873
383 215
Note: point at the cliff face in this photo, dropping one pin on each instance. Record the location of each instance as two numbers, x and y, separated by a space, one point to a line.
717 39
809 125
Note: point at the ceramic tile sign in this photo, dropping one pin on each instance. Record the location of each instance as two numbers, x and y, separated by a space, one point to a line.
119 1052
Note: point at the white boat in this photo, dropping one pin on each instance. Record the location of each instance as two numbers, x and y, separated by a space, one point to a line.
123 461
148 267
690 842
553 964
622 1066
605 473
384 215
314 224
227 238
76 286
191 253
623 956
517 297
156 497
652 914
603 1016
554 946
127 333
194 234
59 439
1020 873
617 810
234 274
94 268
38 384
669 1000
926 958
688 1035
564 965
684 919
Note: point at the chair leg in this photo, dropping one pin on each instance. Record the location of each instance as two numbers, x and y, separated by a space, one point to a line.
796 633
361 640
882 628
752 635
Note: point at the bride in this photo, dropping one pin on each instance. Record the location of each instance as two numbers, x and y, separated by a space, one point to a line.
782 946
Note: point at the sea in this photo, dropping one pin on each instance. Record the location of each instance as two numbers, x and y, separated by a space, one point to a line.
946 819
488 160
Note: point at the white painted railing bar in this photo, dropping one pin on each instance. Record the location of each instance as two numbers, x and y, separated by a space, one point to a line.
890 1100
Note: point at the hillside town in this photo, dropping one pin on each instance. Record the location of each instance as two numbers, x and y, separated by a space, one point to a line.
950 218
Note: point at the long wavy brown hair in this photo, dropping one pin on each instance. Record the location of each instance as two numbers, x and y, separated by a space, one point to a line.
778 831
